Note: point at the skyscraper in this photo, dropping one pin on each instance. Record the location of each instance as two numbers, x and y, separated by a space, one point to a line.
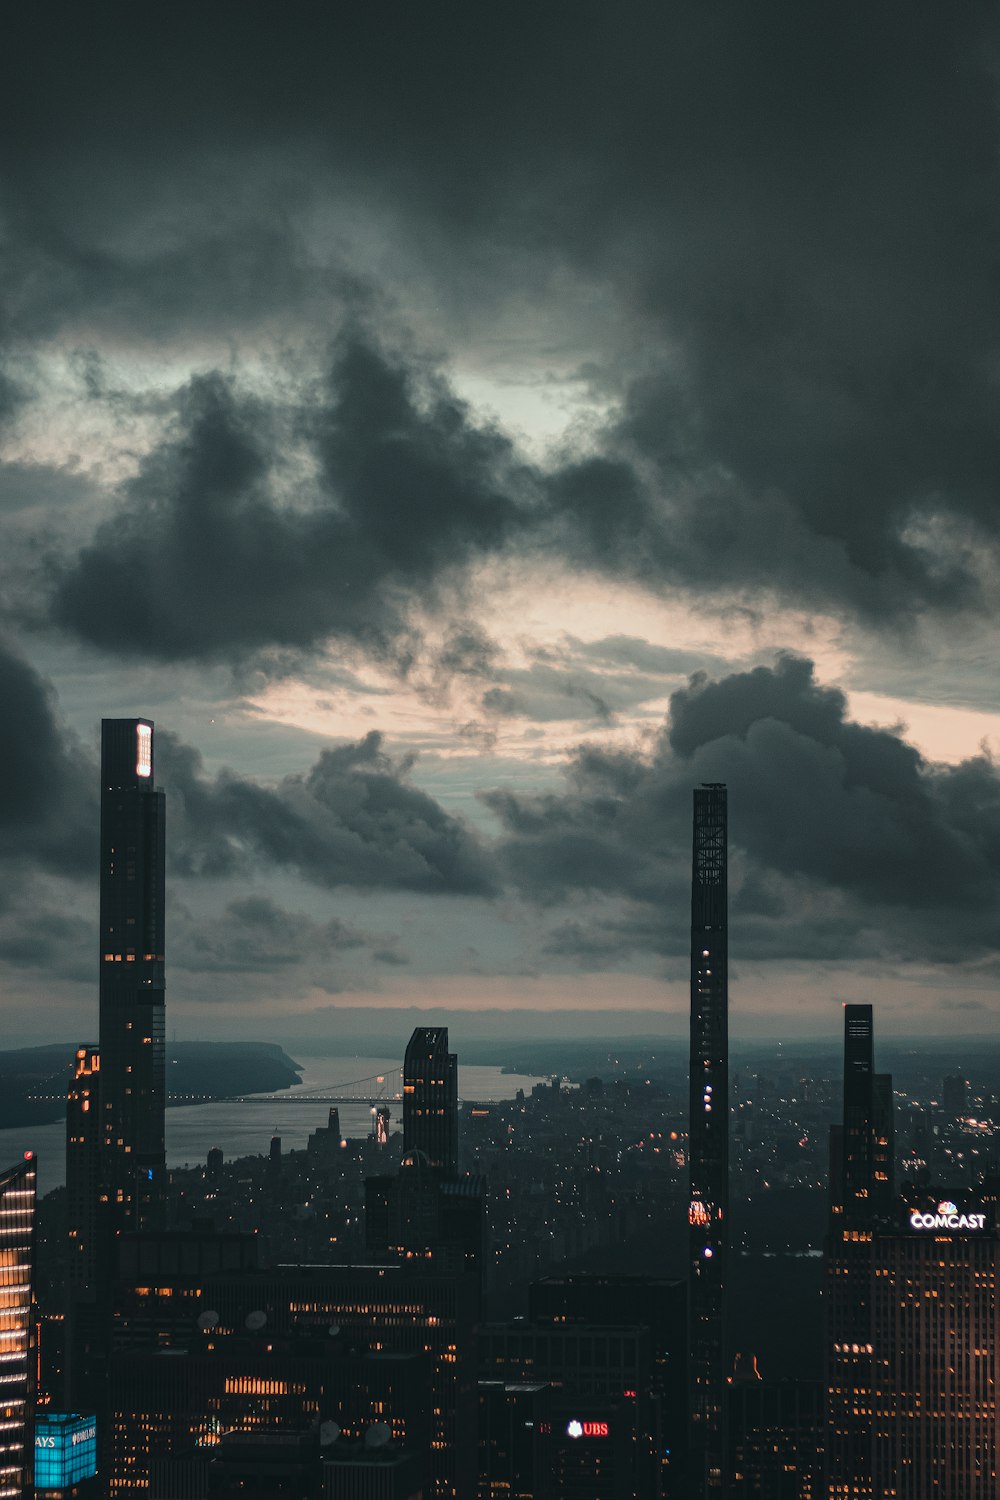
865 1148
131 973
708 1144
17 1253
430 1099
912 1315
912 1319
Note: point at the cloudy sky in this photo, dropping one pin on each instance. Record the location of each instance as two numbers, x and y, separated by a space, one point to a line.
466 428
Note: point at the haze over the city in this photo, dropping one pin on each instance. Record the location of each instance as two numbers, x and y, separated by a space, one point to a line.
463 430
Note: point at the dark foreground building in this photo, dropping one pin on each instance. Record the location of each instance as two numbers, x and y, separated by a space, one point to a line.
430 1099
205 1345
912 1316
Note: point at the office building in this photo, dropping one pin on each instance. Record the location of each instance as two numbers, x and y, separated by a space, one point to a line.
17 1364
912 1323
913 1354
659 1305
131 974
592 1451
65 1455
955 1096
708 1147
515 1457
201 1348
603 1420
423 1215
430 1099
775 1433
372 1472
326 1142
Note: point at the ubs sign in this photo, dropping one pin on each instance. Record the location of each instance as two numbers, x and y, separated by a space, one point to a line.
946 1217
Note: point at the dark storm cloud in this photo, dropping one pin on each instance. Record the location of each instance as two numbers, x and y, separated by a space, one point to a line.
203 560
254 935
846 842
38 933
794 207
352 820
48 794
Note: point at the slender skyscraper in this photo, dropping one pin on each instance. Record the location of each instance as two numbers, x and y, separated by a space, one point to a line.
866 1142
17 1391
430 1098
132 977
708 1144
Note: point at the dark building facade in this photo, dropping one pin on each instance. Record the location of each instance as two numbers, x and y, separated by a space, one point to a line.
658 1304
515 1456
867 1144
775 1433
199 1342
708 1147
912 1319
430 1099
131 974
425 1215
603 1420
17 1390
83 1169
913 1355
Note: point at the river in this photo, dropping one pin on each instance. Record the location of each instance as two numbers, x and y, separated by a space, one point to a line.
246 1129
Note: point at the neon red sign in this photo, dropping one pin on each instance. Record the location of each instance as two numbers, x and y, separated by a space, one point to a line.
576 1429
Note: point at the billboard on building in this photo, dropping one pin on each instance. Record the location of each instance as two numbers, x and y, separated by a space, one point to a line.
65 1449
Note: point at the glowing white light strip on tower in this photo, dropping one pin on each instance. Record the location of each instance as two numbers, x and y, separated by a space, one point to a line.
143 750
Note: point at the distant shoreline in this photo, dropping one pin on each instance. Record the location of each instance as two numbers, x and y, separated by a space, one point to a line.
33 1080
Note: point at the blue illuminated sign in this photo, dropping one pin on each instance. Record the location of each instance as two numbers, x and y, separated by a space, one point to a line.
65 1449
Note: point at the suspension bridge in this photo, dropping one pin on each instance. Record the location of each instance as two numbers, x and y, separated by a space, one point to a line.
379 1088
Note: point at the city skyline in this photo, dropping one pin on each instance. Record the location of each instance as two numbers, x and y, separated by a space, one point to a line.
455 497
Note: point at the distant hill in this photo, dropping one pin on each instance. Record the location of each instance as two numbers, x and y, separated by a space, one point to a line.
212 1069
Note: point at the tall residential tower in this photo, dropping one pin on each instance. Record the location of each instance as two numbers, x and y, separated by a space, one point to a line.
430 1099
708 1144
132 1083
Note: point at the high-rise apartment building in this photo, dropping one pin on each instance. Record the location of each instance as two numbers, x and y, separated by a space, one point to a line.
708 1147
430 1099
17 1258
131 973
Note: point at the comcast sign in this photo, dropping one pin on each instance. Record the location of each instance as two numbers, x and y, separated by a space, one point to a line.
946 1217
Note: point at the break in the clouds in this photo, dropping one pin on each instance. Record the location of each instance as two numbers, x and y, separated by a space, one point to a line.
344 356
